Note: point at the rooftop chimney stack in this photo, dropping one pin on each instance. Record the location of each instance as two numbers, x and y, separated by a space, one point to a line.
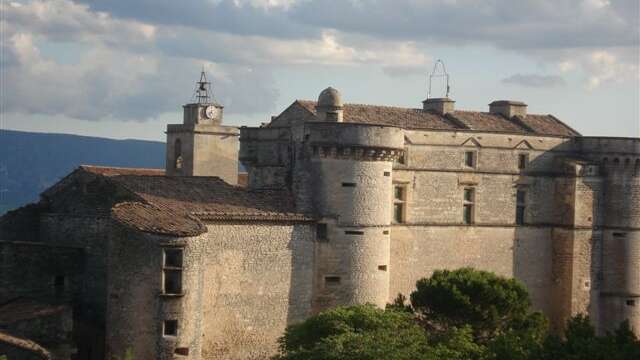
508 108
441 106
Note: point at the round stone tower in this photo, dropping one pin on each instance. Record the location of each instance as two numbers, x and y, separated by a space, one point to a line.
351 191
619 160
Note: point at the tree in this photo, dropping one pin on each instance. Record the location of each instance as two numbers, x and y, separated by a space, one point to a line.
581 343
490 305
360 332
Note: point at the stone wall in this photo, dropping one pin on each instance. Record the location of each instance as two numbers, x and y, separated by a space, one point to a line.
257 279
416 251
434 236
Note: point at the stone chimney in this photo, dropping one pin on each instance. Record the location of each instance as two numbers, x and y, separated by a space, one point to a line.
508 108
441 106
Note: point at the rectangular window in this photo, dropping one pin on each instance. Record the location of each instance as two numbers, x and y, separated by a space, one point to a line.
321 232
172 271
470 159
58 284
402 158
631 302
399 203
170 328
354 232
468 204
387 173
348 184
332 280
382 267
521 205
523 161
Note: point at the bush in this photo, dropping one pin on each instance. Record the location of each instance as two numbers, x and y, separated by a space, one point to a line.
356 332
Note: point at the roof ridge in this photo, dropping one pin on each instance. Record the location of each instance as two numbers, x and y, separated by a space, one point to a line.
84 166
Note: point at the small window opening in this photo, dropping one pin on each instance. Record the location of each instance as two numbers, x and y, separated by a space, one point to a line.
59 284
399 204
385 232
172 271
177 154
631 302
332 280
619 234
321 232
348 184
173 258
468 204
387 173
523 161
521 205
184 351
470 159
170 328
401 159
382 267
354 232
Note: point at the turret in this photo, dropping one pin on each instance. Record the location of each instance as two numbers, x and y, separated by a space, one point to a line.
329 106
351 191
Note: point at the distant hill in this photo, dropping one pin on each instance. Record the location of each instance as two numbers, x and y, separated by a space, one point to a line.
31 162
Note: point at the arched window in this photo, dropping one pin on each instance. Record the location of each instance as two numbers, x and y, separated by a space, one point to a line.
177 154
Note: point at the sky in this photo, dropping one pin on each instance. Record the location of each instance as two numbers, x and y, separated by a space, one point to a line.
124 68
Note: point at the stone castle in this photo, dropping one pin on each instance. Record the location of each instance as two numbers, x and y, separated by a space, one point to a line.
341 204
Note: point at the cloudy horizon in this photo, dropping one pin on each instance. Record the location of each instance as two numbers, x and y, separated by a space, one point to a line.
122 69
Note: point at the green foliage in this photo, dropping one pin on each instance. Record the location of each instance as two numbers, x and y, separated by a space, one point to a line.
454 315
581 343
491 305
128 355
357 332
3 357
456 344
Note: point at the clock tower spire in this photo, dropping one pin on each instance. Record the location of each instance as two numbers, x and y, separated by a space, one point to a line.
201 145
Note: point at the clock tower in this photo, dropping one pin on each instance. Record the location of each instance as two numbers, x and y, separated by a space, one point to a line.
201 145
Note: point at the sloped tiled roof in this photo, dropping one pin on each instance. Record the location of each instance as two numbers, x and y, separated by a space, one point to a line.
177 205
24 309
419 119
113 171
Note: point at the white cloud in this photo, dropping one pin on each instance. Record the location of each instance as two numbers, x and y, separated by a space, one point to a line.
138 56
534 80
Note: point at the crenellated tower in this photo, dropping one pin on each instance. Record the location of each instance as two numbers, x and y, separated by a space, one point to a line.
351 191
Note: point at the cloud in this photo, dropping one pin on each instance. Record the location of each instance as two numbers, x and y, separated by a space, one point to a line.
534 80
135 58
119 74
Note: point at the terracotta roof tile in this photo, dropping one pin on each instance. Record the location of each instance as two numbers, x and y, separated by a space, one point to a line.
24 309
409 118
177 205
113 171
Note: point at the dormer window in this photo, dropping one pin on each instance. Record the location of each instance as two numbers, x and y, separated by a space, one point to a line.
470 159
523 161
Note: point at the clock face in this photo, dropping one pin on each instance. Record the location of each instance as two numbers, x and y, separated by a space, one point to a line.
210 112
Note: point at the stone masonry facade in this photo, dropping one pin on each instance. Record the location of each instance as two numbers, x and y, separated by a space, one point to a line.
342 204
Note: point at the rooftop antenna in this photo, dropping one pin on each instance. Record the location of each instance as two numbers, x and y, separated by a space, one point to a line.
203 93
439 72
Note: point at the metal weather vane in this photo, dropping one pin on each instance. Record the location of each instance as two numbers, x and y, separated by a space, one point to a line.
439 72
